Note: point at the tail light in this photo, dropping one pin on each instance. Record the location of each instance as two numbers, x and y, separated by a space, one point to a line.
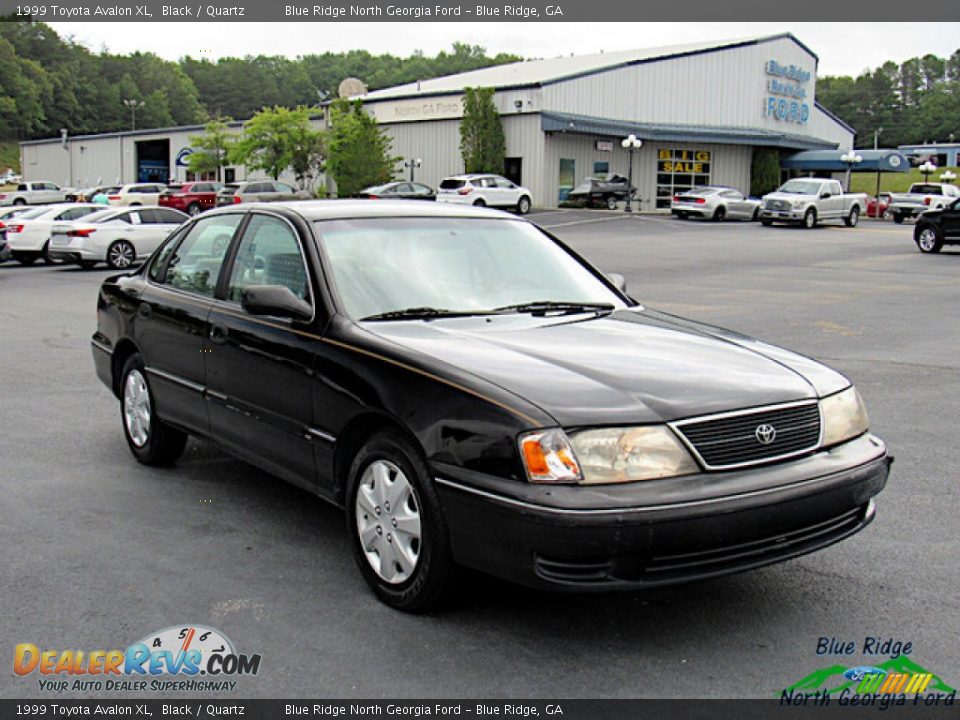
2 225
465 190
14 228
82 232
373 197
2 196
113 197
700 201
676 198
926 201
236 200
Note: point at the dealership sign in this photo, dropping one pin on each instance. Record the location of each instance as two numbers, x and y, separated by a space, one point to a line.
787 94
183 155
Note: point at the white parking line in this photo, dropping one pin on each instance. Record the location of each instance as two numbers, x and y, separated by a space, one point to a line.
584 222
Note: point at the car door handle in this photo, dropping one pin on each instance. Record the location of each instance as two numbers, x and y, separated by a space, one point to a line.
218 334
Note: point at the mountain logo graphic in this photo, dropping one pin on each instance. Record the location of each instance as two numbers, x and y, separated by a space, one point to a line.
902 674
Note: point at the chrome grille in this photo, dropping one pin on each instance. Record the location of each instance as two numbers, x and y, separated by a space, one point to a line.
734 439
777 205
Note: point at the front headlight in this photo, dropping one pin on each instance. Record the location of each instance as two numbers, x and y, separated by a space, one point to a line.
798 204
605 455
844 417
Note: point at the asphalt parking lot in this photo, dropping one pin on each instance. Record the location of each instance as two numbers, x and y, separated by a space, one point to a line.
101 551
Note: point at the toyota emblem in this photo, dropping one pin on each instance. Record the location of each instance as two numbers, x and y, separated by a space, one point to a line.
765 434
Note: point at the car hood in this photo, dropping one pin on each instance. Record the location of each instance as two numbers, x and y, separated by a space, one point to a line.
788 196
632 366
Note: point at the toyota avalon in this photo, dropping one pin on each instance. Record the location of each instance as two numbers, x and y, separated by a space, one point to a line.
470 391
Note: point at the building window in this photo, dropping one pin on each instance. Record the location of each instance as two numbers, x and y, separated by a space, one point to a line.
680 169
600 169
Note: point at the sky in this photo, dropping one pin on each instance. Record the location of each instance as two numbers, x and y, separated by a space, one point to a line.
843 48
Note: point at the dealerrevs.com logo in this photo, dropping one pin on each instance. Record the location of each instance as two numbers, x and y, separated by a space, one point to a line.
179 658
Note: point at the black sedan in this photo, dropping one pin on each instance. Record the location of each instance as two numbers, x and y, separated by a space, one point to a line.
473 392
936 228
398 191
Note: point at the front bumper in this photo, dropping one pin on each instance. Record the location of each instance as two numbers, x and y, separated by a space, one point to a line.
782 215
662 532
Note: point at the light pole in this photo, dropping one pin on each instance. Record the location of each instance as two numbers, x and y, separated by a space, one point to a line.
413 163
631 143
133 105
928 168
850 159
948 176
876 146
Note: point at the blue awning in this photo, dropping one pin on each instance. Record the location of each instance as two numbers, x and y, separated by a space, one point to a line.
555 122
829 161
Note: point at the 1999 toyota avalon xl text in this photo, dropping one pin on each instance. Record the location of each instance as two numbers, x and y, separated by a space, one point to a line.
472 392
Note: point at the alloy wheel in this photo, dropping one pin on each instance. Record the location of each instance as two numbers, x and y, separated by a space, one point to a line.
388 521
927 240
136 408
121 255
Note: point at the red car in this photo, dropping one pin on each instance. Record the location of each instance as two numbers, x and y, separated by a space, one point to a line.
191 197
884 204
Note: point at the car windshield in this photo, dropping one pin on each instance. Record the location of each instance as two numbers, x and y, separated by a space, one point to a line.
926 190
800 187
453 265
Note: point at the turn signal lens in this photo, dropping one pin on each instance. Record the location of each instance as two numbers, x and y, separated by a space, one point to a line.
549 458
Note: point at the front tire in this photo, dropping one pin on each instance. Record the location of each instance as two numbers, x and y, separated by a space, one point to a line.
853 218
810 219
88 264
611 202
898 218
151 440
121 255
47 258
755 216
929 238
26 259
523 205
397 530
766 223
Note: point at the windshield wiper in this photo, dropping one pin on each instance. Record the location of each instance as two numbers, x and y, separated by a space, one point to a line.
421 313
541 307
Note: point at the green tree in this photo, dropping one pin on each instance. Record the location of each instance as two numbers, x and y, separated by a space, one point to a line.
266 143
211 151
764 171
482 143
306 149
358 153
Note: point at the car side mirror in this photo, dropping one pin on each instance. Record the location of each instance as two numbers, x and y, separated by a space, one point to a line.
277 300
825 196
618 280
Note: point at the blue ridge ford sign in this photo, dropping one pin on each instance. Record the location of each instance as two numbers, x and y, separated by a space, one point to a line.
787 94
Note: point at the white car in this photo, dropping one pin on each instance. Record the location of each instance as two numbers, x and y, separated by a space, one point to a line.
135 194
715 203
29 233
37 193
118 237
485 190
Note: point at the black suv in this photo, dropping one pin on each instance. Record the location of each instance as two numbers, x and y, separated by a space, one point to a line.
936 228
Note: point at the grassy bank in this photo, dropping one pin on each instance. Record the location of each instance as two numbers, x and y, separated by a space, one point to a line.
10 155
894 182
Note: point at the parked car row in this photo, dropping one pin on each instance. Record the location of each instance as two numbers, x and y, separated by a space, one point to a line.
85 233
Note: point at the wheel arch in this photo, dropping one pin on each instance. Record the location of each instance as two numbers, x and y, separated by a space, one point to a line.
122 351
353 437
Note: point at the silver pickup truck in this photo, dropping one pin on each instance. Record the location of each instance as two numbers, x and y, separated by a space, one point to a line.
808 201
920 198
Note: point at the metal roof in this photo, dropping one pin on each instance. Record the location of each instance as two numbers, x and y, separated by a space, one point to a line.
584 125
829 161
529 73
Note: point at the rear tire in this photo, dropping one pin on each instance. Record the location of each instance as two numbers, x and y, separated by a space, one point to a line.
193 209
88 264
898 218
479 203
19 201
720 213
611 202
45 253
810 219
853 218
26 259
766 223
150 439
755 216
121 255
403 552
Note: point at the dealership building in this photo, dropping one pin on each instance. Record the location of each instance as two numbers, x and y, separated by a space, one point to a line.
701 111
